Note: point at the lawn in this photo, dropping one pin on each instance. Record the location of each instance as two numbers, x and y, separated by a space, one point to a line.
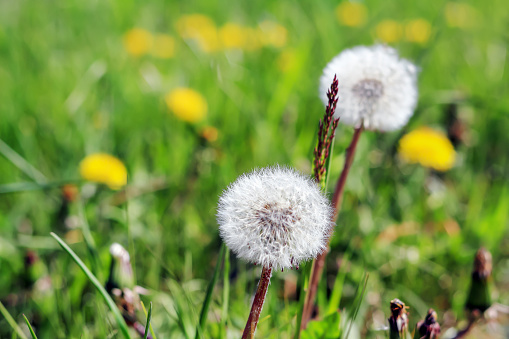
86 77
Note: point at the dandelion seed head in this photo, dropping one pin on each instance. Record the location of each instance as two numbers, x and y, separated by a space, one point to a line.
376 87
275 217
119 252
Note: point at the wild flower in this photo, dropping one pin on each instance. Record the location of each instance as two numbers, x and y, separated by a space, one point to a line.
418 30
389 31
274 217
377 89
209 133
138 41
104 168
353 14
429 148
187 104
163 46
272 34
233 36
461 15
200 29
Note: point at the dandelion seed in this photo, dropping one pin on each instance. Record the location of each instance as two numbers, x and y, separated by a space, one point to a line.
104 168
187 104
275 217
428 148
377 89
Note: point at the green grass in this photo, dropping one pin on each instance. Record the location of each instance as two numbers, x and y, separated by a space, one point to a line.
68 88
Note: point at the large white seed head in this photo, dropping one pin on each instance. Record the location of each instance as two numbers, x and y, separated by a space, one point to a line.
275 217
376 87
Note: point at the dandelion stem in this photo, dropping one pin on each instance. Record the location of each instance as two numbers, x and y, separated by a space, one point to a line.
258 301
337 198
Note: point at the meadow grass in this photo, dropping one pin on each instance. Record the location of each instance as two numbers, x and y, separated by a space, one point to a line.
69 88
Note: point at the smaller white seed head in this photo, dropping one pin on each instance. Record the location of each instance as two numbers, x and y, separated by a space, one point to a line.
376 87
119 252
275 217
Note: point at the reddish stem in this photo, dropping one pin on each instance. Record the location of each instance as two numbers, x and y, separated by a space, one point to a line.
259 299
337 198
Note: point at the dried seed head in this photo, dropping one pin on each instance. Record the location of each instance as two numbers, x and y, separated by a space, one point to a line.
479 296
398 321
428 328
274 217
376 87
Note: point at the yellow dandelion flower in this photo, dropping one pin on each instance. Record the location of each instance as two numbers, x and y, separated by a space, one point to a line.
389 31
190 26
164 46
201 29
209 133
253 41
428 148
138 41
287 60
418 30
233 35
462 15
104 168
187 104
272 34
351 14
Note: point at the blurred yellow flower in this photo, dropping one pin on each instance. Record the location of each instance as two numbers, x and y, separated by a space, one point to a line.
253 41
233 36
351 14
137 41
187 104
462 15
201 29
389 31
209 133
418 30
272 34
428 148
163 46
287 60
105 169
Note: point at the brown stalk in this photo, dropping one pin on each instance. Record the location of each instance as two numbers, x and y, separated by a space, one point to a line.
337 198
259 299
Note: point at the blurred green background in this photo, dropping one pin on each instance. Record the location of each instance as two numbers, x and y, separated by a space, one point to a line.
74 80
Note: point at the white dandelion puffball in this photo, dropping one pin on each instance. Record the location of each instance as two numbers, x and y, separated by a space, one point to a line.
376 87
275 217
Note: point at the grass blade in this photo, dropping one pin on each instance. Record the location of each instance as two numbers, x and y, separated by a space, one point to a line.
226 293
149 316
208 296
11 321
20 162
146 315
111 304
30 328
337 290
358 306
